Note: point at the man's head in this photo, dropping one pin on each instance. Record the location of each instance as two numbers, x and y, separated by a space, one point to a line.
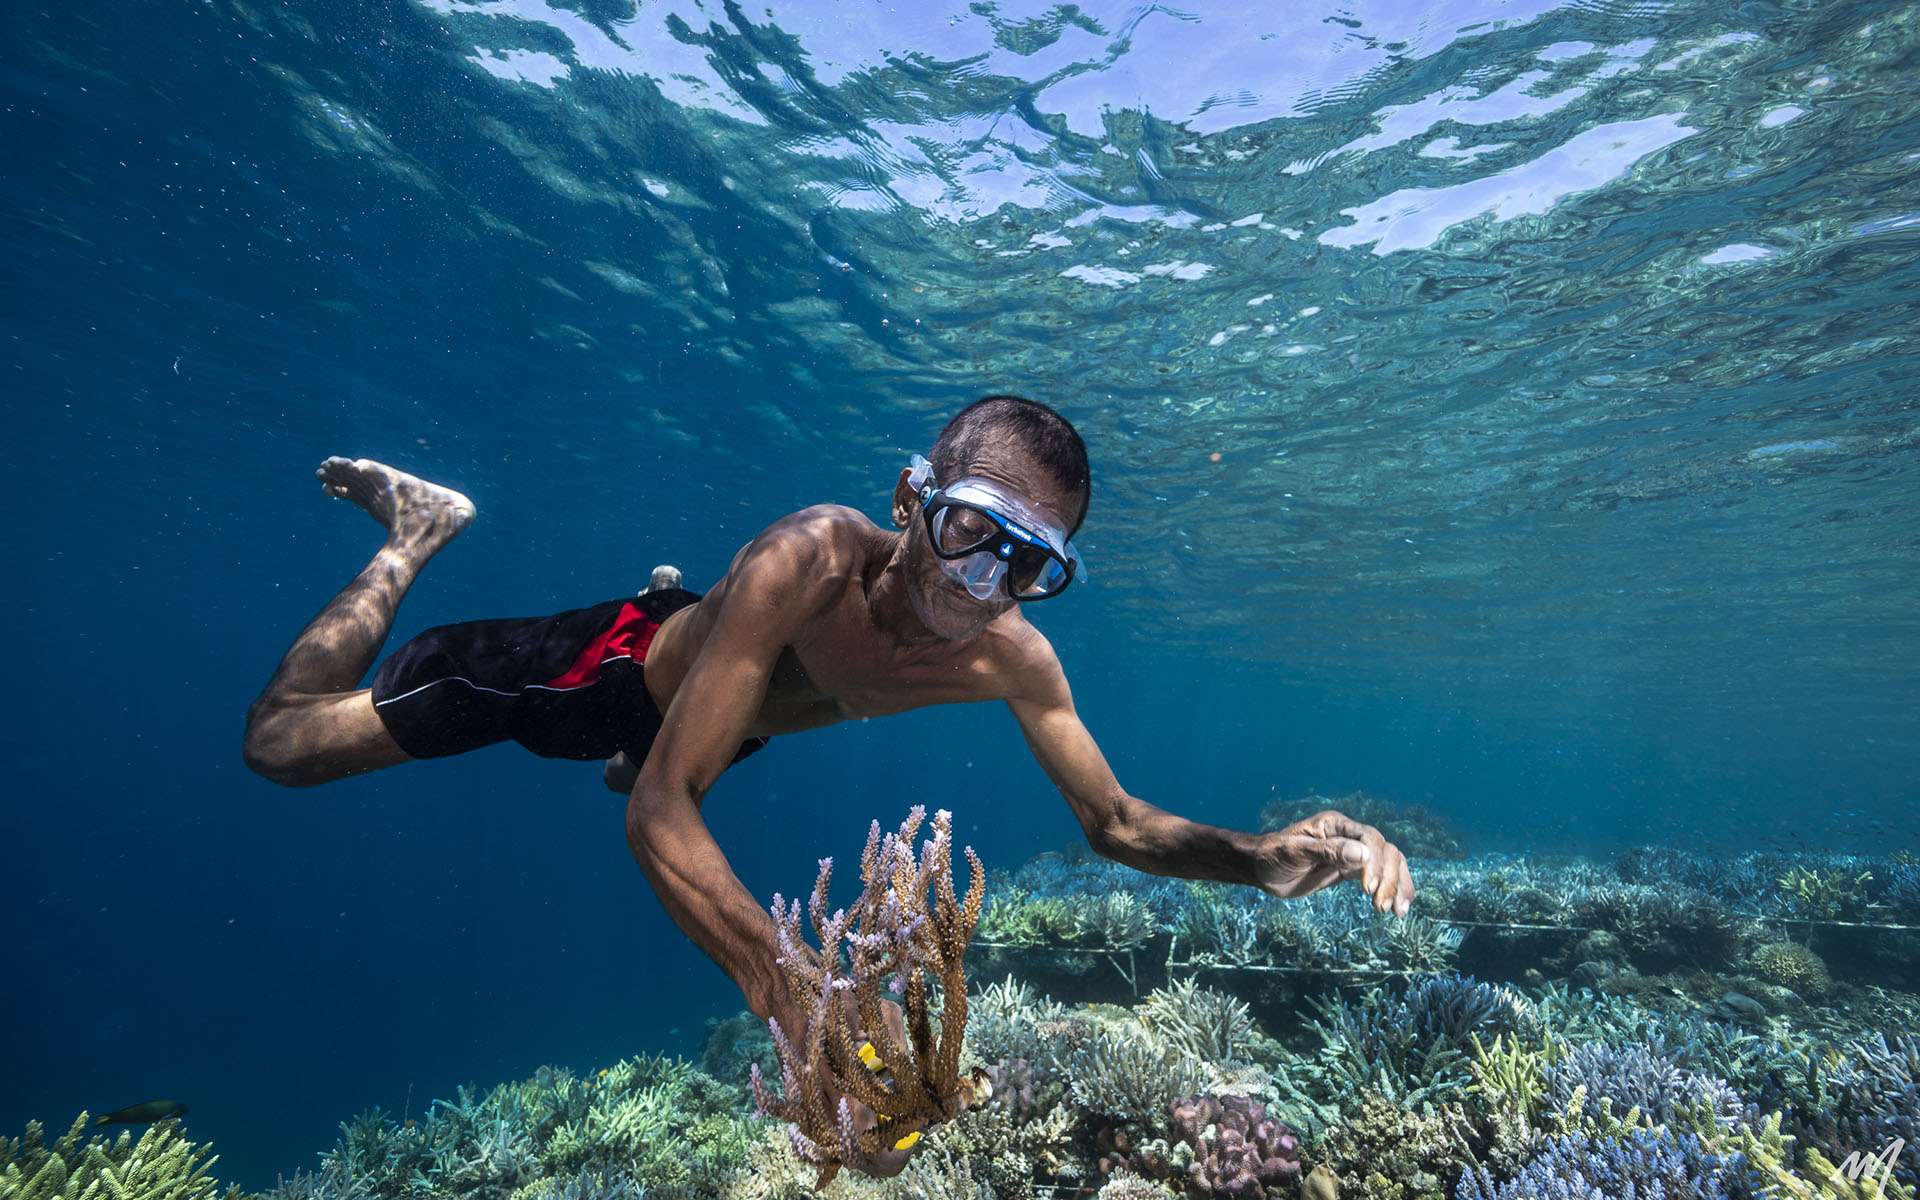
1008 433
1025 448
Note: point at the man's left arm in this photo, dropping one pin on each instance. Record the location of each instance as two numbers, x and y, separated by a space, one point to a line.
1302 858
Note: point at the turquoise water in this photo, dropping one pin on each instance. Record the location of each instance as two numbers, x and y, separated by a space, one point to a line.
1505 407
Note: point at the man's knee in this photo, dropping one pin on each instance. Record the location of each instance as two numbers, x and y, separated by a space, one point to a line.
270 751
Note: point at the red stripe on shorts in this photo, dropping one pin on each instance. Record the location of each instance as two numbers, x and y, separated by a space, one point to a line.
627 638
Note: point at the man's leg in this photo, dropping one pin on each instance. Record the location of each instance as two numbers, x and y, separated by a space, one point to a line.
314 724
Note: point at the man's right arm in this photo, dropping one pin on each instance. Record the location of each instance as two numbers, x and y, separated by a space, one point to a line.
777 586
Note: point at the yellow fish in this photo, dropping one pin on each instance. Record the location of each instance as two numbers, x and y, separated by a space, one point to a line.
908 1142
870 1057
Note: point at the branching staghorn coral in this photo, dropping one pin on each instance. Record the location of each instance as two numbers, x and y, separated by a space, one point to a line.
1639 1077
1131 1075
1003 1021
1860 1097
1207 1024
1646 1164
158 1165
906 934
1826 893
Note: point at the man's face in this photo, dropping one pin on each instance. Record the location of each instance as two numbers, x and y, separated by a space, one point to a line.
941 602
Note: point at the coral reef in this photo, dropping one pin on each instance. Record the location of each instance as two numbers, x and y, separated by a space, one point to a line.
1792 965
1638 1079
1387 1151
1665 1025
1206 1024
1236 1149
905 935
1858 1098
1130 1075
655 1125
1408 1046
159 1164
1645 1164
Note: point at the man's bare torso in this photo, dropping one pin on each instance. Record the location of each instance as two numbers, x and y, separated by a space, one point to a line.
844 666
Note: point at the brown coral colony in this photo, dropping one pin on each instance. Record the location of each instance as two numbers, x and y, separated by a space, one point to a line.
906 932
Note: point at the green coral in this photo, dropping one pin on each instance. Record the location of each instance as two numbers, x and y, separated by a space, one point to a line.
1017 917
1509 1079
1109 921
1820 892
655 1124
160 1164
1793 965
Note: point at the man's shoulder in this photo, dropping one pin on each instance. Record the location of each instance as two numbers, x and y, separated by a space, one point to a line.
825 522
806 553
1023 658
819 532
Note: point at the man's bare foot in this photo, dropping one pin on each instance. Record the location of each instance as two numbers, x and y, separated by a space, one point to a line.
418 515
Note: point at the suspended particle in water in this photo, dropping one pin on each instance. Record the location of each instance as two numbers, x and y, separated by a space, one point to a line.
1214 457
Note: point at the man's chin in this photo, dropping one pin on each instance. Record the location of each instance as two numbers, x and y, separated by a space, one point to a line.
949 620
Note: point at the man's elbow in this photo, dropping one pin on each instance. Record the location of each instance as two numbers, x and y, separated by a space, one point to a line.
1108 836
653 800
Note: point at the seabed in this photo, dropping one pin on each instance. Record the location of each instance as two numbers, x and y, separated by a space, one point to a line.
1664 1024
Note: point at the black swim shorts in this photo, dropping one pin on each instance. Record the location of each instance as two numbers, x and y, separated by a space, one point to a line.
567 686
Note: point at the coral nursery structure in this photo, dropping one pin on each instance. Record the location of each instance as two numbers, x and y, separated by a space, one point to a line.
1660 1025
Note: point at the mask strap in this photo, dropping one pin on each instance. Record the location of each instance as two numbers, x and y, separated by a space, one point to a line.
920 472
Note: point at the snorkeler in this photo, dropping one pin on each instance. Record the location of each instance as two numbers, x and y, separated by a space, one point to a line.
823 617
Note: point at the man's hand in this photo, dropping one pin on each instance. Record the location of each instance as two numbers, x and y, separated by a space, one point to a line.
1328 847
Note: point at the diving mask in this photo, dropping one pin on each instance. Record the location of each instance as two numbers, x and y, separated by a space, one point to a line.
991 540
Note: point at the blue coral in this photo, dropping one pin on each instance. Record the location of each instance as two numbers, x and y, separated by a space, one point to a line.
1453 1008
1639 1076
1411 1045
1644 1165
1861 1099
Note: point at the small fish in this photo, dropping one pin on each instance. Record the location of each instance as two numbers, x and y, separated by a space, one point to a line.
870 1057
140 1114
908 1142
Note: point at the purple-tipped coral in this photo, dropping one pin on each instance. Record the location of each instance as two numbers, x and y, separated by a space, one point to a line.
1238 1150
907 927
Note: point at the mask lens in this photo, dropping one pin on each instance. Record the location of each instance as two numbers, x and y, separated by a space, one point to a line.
1034 573
957 529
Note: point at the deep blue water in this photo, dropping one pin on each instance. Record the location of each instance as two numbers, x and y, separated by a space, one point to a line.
1558 359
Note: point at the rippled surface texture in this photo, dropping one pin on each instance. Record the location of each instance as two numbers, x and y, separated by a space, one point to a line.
1555 351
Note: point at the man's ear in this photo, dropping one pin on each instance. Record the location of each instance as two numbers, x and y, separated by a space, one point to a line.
904 498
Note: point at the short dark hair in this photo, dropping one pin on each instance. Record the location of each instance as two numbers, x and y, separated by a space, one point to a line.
1043 433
